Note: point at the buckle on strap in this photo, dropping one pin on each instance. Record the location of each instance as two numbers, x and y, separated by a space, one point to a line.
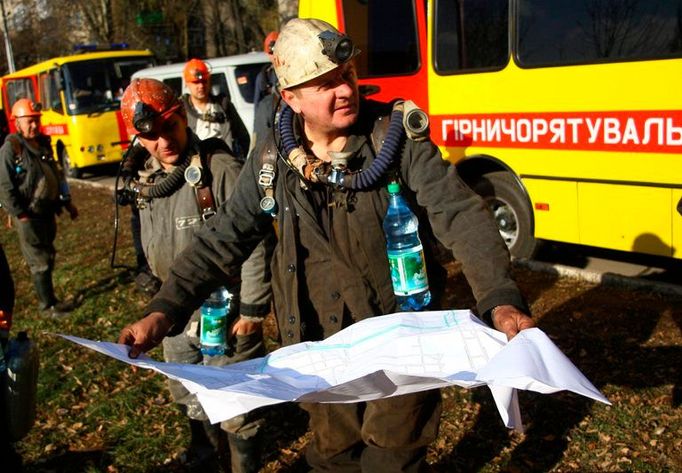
266 176
207 213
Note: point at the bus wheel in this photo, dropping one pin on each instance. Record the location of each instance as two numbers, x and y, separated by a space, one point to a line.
511 211
69 170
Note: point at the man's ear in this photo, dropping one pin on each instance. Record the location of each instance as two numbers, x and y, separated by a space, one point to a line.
291 99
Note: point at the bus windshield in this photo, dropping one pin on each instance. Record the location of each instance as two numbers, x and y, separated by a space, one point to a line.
97 85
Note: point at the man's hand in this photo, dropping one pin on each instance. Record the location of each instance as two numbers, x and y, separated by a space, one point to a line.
510 320
244 326
73 211
145 334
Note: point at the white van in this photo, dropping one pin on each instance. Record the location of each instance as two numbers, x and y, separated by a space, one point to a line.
234 76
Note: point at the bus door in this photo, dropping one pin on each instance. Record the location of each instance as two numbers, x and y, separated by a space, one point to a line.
51 94
13 90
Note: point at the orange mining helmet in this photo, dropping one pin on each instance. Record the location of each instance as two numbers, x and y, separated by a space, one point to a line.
146 104
26 108
270 41
196 70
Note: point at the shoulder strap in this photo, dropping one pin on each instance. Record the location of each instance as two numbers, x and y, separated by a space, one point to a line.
240 134
203 190
224 102
17 147
267 177
379 132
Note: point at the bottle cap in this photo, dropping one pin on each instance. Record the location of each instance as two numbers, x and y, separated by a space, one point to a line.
394 188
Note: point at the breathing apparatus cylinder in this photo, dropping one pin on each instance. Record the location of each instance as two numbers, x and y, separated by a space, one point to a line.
20 384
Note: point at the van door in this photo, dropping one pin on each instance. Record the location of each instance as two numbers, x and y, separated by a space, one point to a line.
392 37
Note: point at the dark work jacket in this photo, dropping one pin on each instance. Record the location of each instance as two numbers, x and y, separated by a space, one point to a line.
323 281
31 183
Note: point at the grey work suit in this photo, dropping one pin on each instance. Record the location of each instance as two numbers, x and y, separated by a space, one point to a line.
330 269
168 225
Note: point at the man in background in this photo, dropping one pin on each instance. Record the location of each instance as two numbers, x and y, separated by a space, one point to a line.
209 115
33 190
265 97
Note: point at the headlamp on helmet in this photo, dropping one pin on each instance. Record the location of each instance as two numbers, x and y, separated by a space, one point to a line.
337 47
26 108
144 118
198 75
196 71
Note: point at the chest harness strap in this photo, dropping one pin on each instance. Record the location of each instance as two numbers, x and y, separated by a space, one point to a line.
200 181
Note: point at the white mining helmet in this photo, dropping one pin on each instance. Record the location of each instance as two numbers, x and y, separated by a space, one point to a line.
308 48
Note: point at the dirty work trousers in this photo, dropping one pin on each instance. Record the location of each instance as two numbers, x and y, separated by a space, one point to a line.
185 348
388 435
36 239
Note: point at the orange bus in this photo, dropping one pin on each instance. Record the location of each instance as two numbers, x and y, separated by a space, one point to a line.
566 115
80 101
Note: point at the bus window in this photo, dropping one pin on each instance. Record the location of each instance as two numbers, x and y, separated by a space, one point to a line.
49 92
124 69
386 33
97 85
44 87
19 89
55 96
564 32
471 35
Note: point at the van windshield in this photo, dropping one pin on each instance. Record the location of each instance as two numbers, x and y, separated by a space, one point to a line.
97 85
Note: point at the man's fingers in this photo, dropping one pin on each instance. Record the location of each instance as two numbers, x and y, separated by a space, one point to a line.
511 321
134 351
525 323
127 337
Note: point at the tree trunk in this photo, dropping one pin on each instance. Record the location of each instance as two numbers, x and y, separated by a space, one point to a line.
288 9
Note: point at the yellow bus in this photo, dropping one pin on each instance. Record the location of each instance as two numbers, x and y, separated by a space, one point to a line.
566 115
80 97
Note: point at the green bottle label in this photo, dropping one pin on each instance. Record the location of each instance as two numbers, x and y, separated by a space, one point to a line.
408 271
213 327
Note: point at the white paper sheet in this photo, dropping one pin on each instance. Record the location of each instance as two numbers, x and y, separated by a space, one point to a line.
380 357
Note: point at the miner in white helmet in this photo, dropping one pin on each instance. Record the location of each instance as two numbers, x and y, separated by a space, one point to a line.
324 180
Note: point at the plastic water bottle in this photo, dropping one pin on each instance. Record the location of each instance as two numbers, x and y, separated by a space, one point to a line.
21 385
405 254
213 330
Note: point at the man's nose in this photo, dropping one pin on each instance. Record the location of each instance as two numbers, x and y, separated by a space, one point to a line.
344 89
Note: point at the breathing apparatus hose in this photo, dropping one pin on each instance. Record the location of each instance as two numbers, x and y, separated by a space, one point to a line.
168 186
368 177
121 170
